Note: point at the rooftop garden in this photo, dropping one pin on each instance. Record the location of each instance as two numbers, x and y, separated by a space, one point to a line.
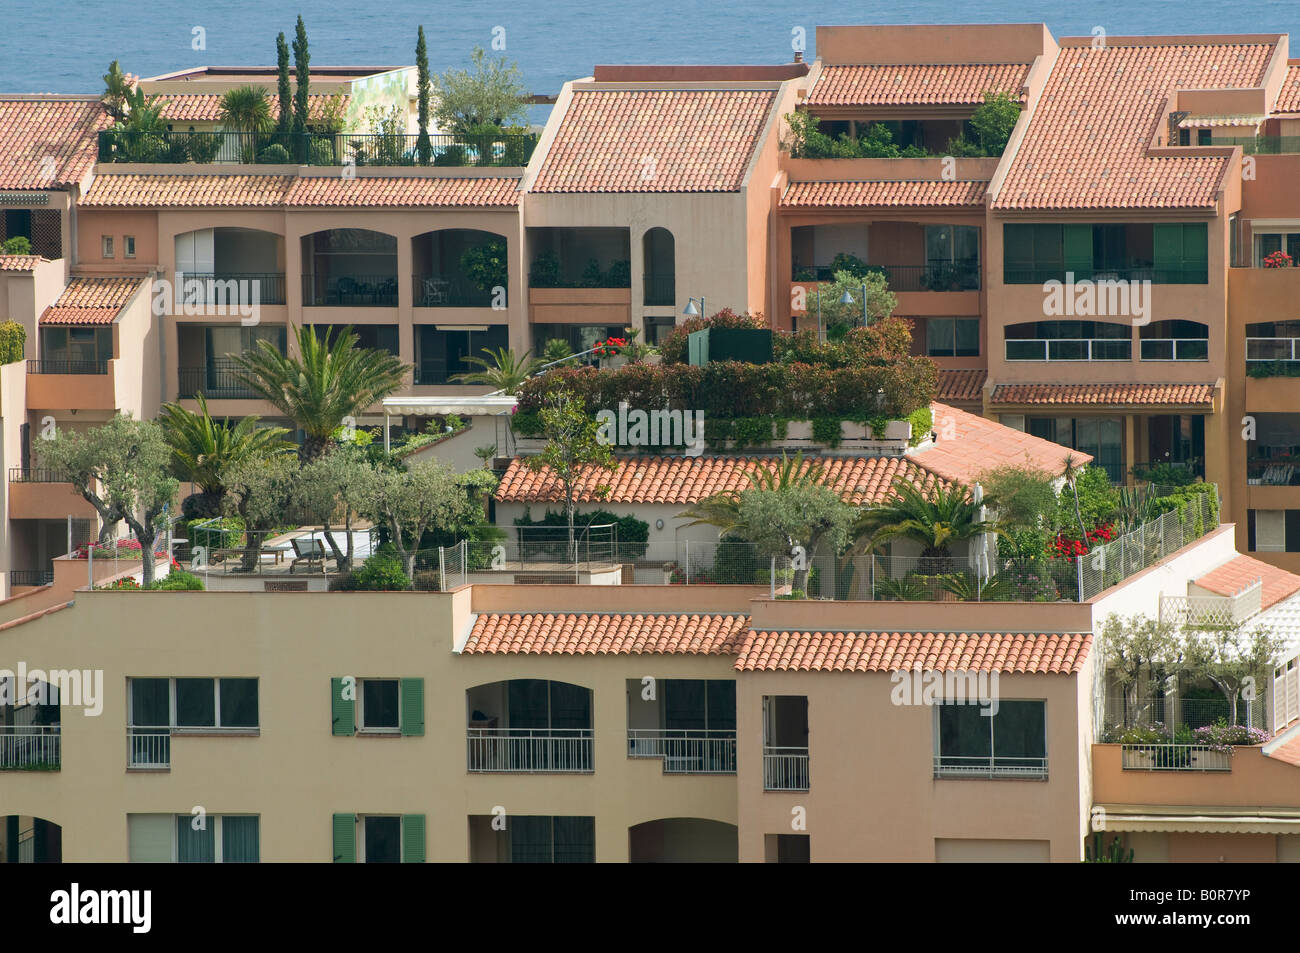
254 489
984 134
480 110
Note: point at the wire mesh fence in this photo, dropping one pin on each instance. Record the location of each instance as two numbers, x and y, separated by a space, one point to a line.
1175 714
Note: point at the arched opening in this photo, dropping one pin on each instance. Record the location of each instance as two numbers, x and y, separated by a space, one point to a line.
529 725
660 267
30 840
683 840
231 265
460 268
349 267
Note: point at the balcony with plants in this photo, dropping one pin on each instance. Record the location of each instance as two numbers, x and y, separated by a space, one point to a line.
580 276
460 268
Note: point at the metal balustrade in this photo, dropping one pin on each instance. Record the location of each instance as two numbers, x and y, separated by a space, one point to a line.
992 766
1175 758
530 750
30 747
148 747
686 751
228 289
67 367
785 769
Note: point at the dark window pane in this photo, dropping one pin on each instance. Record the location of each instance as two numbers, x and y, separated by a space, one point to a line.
240 840
570 706
575 840
196 705
238 702
379 703
967 342
684 704
722 705
530 840
383 840
1019 731
963 734
528 703
195 847
150 705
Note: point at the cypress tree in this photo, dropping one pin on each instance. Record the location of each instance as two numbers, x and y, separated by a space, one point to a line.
423 147
285 120
301 64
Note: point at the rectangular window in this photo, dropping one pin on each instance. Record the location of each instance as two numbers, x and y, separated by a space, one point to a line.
191 703
441 351
952 337
128 246
383 839
1273 531
552 840
1010 743
379 704
1102 437
173 838
106 246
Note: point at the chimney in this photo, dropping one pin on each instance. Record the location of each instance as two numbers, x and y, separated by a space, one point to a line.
798 56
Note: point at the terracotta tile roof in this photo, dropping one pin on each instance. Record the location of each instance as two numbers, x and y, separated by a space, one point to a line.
962 385
915 84
1236 574
20 262
1086 143
1288 752
206 107
48 143
1288 98
883 194
288 191
970 446
686 480
655 140
91 300
1105 395
417 191
773 651
606 634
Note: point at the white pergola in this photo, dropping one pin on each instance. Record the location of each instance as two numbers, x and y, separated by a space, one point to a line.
488 405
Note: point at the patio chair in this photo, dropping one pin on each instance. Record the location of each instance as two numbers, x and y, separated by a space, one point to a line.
435 291
309 550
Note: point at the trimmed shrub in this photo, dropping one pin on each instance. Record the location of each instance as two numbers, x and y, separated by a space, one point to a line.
274 154
13 339
382 572
179 580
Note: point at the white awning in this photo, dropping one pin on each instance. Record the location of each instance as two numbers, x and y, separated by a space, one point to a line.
486 405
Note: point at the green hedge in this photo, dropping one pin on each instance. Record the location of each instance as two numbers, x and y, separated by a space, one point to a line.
729 389
13 338
633 534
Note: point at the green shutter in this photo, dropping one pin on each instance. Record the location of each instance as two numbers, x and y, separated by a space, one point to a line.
1196 253
345 838
412 716
1078 250
1167 245
342 709
412 838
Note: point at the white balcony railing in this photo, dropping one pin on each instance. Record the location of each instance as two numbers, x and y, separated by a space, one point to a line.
686 751
785 769
1175 758
1272 349
960 766
531 750
148 747
30 746
1069 349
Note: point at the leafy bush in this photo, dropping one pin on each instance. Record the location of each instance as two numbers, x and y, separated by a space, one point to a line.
1164 474
1222 736
13 339
732 390
274 154
321 152
18 245
675 347
545 272
382 572
485 264
204 146
179 580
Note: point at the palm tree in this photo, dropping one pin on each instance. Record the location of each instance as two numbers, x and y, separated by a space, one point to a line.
202 449
935 518
1070 470
246 110
328 380
501 370
117 87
